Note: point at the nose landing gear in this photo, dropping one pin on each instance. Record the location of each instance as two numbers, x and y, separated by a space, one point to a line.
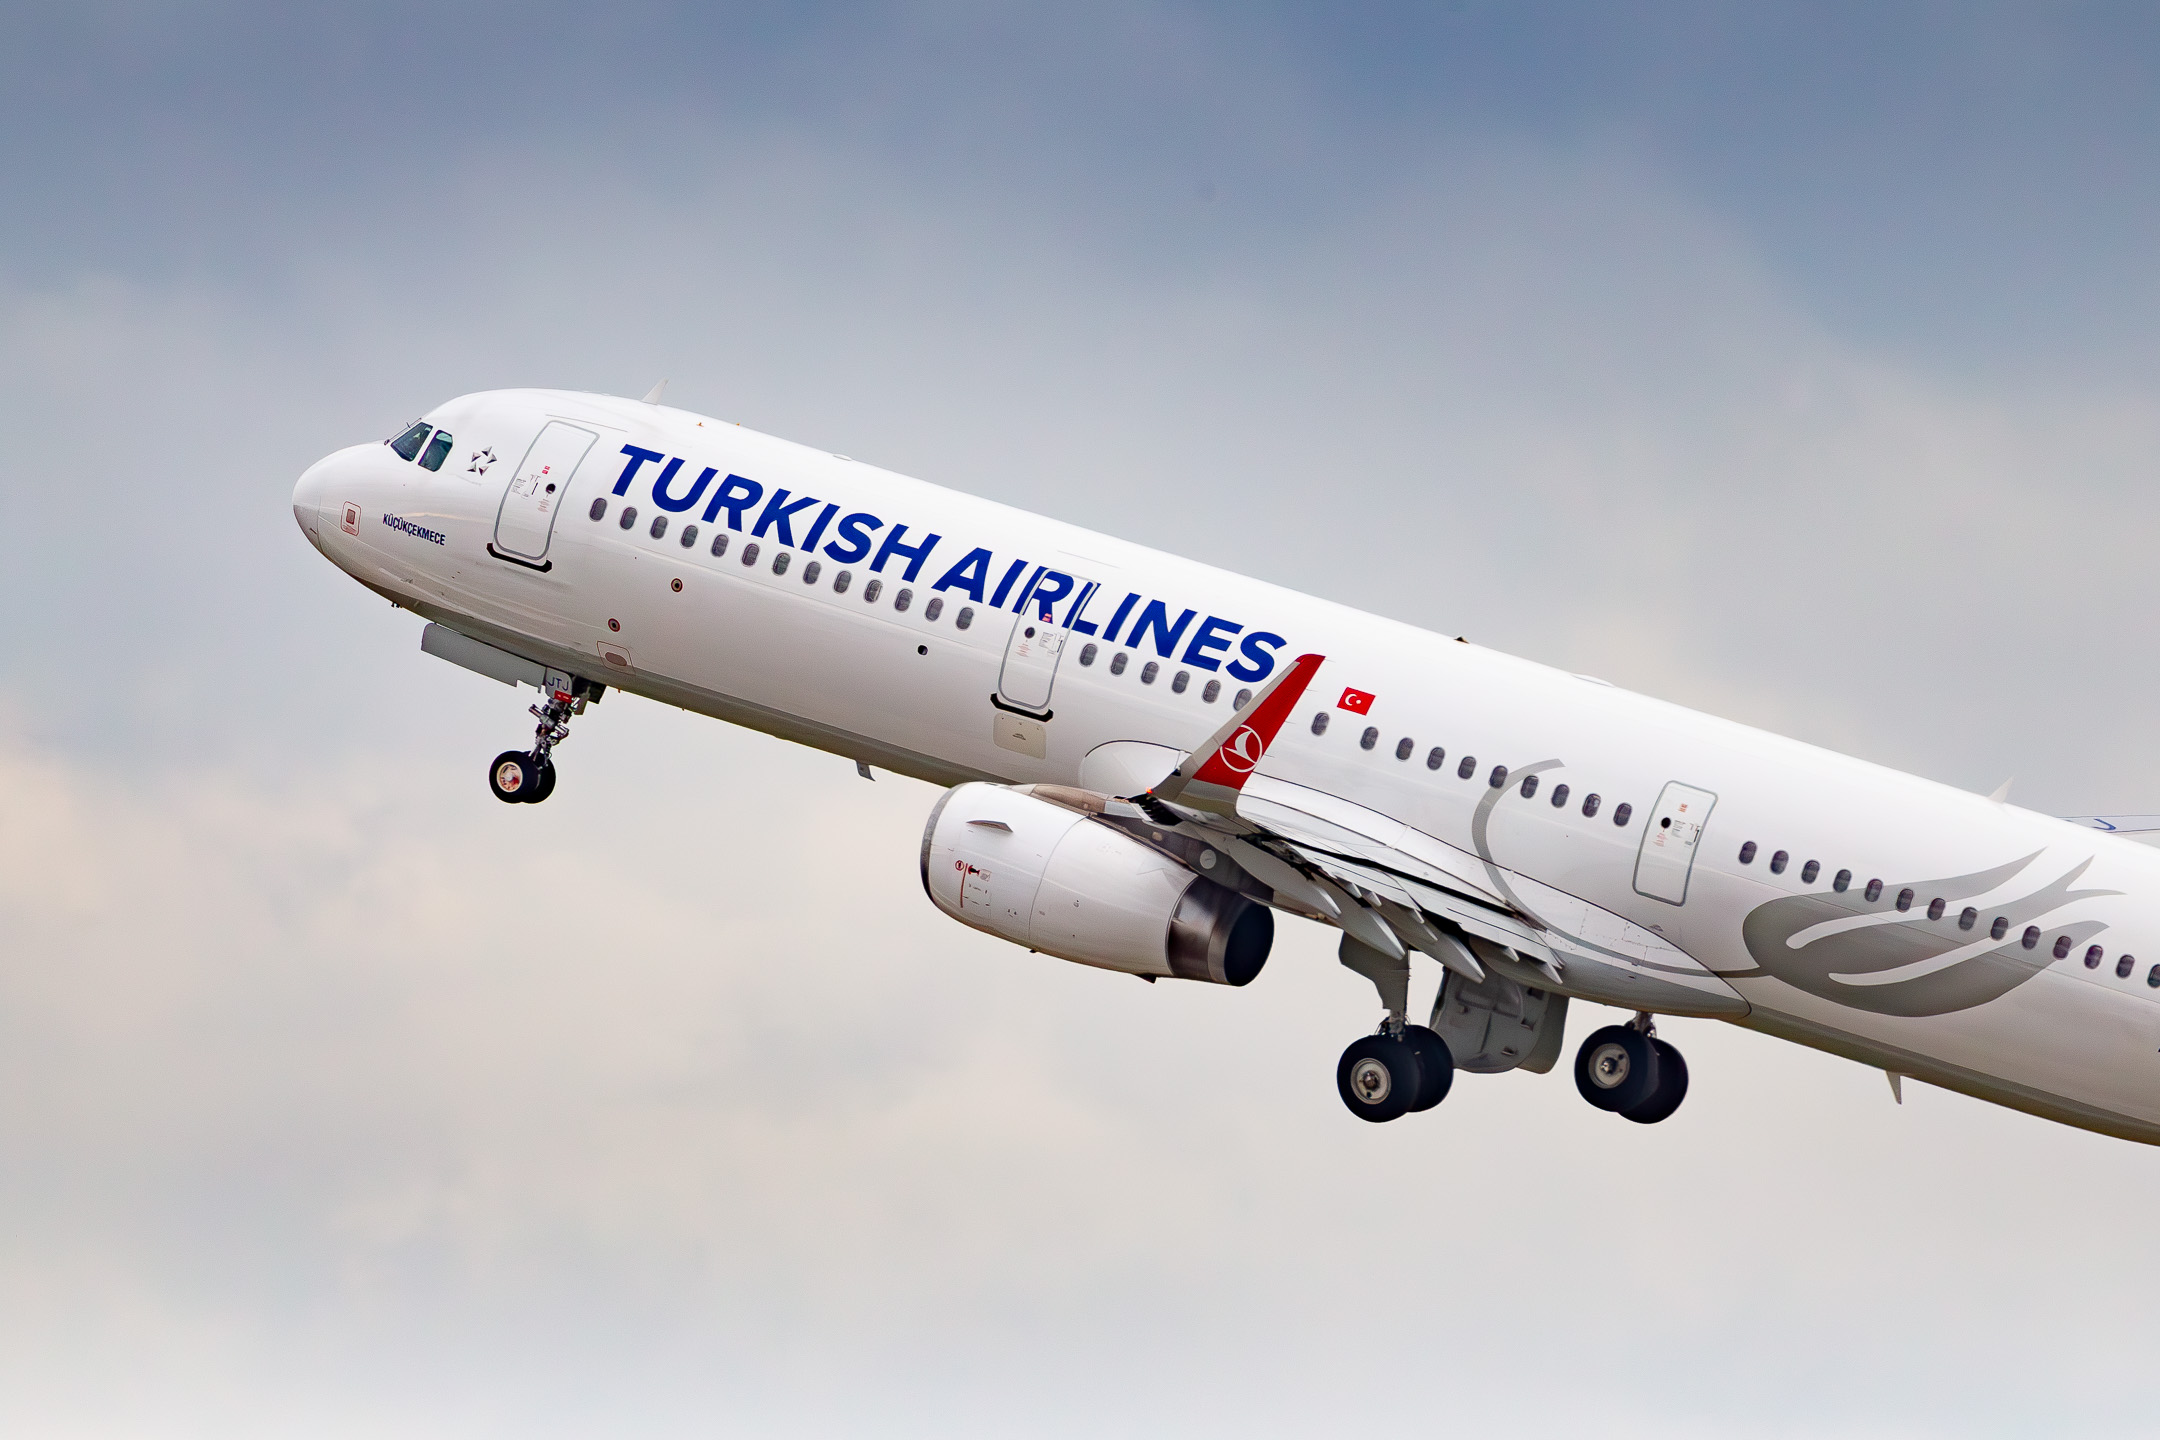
520 777
1626 1069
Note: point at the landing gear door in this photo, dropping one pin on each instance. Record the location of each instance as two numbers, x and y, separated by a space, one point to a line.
526 521
1048 607
1670 841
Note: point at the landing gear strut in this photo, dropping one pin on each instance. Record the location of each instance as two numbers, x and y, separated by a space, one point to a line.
1400 1068
1626 1069
521 777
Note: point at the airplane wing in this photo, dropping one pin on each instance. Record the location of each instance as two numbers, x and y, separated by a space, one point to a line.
1389 885
1331 857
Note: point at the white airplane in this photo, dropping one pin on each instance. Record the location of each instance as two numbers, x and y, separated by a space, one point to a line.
1148 757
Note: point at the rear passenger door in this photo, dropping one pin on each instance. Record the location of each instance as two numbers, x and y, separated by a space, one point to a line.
525 521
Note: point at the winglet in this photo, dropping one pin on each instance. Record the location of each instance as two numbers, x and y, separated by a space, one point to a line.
652 396
1220 766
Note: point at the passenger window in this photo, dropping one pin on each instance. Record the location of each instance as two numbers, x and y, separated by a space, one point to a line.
810 575
905 598
749 553
841 581
1747 853
1935 908
1244 698
1468 767
780 563
1149 671
2092 957
1211 692
935 608
1529 786
438 450
1589 805
659 526
1179 681
1904 900
2000 928
1117 667
1319 723
965 618
2124 966
1088 653
629 516
719 547
1435 758
1967 917
870 592
1403 747
2062 947
689 536
599 508
1620 816
1370 738
1559 796
408 444
2152 977
1874 891
1498 778
1809 871
1778 862
2031 937
1842 881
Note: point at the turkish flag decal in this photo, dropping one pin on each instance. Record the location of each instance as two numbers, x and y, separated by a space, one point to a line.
1357 702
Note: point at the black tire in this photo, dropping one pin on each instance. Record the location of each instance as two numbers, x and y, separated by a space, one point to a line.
1671 1087
1436 1066
1616 1069
545 786
512 777
1378 1077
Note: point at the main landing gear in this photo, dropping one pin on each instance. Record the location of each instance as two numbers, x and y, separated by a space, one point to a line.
1401 1067
520 777
1626 1069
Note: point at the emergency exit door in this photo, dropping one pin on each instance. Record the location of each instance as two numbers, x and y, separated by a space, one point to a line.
1048 607
1670 841
526 520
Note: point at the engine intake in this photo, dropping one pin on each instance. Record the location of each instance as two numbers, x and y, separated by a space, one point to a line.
1055 880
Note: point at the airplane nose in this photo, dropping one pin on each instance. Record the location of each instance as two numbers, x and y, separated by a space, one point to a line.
307 497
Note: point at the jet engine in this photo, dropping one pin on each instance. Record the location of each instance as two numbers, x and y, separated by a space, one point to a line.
1056 878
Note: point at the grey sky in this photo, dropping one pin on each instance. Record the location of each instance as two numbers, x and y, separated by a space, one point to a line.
1795 363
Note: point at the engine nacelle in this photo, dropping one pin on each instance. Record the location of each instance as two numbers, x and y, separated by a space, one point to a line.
1055 880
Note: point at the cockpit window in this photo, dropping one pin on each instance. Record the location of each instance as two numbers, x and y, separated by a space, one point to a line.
437 449
408 444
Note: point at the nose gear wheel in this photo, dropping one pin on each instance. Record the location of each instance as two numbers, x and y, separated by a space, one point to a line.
528 777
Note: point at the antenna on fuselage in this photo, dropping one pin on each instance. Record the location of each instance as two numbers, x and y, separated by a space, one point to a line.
652 396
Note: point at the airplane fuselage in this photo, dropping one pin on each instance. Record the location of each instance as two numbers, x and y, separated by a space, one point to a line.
1693 865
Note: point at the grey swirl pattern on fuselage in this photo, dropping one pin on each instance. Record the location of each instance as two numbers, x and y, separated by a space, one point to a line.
1859 967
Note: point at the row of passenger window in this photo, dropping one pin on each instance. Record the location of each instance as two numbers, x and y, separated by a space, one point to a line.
408 445
1179 683
903 598
1967 918
1467 767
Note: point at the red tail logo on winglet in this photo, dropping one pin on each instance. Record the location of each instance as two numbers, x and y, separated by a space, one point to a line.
1238 755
